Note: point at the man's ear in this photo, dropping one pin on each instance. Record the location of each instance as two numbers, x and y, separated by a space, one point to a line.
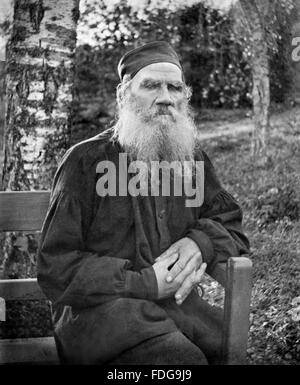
122 88
119 94
188 91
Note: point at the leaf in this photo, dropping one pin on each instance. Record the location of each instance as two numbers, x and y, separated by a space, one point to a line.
22 243
296 301
295 314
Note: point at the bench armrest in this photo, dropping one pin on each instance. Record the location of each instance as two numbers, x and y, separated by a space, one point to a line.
236 277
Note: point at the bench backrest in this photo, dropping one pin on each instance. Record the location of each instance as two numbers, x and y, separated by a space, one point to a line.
24 211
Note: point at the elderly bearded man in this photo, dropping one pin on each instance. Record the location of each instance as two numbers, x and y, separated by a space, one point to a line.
121 271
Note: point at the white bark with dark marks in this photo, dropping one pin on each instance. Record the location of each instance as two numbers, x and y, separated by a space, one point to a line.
254 16
39 82
295 54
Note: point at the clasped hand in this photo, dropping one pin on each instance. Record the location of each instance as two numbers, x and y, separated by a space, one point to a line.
179 269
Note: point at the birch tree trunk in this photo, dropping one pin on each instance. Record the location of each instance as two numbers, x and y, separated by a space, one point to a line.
40 73
260 75
295 54
39 80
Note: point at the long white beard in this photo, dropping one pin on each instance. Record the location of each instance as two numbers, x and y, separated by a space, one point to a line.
161 134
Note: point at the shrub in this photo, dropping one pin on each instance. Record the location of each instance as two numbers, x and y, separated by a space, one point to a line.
280 202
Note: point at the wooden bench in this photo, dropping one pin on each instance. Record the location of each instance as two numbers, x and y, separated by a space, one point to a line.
25 211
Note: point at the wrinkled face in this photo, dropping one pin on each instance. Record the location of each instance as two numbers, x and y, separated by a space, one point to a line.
159 88
154 117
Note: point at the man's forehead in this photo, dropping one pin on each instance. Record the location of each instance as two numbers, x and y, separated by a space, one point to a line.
159 71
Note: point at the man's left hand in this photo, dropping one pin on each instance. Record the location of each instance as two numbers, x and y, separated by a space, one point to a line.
188 269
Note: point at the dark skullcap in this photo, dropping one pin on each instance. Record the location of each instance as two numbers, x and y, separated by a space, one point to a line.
154 52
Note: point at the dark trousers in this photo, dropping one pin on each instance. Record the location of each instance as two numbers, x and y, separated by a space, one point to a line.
138 331
169 349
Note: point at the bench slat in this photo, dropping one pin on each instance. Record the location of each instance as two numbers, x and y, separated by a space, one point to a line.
20 289
23 210
28 288
28 350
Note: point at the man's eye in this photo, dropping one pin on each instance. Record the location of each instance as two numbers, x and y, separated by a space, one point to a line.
151 86
175 88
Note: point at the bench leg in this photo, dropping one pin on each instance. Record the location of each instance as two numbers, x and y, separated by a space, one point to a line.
237 310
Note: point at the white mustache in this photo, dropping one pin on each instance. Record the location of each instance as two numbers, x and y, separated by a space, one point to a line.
164 110
160 132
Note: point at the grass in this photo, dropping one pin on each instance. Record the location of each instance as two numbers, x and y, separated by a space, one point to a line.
270 197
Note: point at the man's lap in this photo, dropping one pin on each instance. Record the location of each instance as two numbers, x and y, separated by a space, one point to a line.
101 334
168 349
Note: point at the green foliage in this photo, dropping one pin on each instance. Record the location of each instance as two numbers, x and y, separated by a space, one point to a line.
213 59
25 320
279 32
276 18
214 47
18 255
279 203
270 200
274 330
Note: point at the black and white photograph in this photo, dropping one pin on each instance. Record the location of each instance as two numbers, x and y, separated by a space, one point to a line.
149 185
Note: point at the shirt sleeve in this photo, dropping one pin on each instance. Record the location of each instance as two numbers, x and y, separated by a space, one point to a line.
218 231
70 274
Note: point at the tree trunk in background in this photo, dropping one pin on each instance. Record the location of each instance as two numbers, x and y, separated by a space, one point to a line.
39 81
260 75
40 74
295 54
2 112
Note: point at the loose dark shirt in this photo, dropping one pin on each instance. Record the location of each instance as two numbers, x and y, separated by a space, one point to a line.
96 254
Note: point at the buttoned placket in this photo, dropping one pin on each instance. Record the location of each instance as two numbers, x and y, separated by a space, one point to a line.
161 210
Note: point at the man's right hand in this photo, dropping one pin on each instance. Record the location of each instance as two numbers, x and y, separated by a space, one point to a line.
161 269
179 287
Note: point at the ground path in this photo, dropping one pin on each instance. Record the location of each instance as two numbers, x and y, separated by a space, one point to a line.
280 123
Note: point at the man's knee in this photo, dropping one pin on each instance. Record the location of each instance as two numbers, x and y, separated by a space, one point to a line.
179 350
169 349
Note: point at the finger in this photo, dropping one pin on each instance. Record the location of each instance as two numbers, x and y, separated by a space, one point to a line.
189 283
171 250
200 272
181 264
189 268
167 262
185 289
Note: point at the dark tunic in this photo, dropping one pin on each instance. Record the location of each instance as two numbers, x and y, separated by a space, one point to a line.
96 254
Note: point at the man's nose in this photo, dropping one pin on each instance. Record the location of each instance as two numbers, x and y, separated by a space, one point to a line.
164 97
